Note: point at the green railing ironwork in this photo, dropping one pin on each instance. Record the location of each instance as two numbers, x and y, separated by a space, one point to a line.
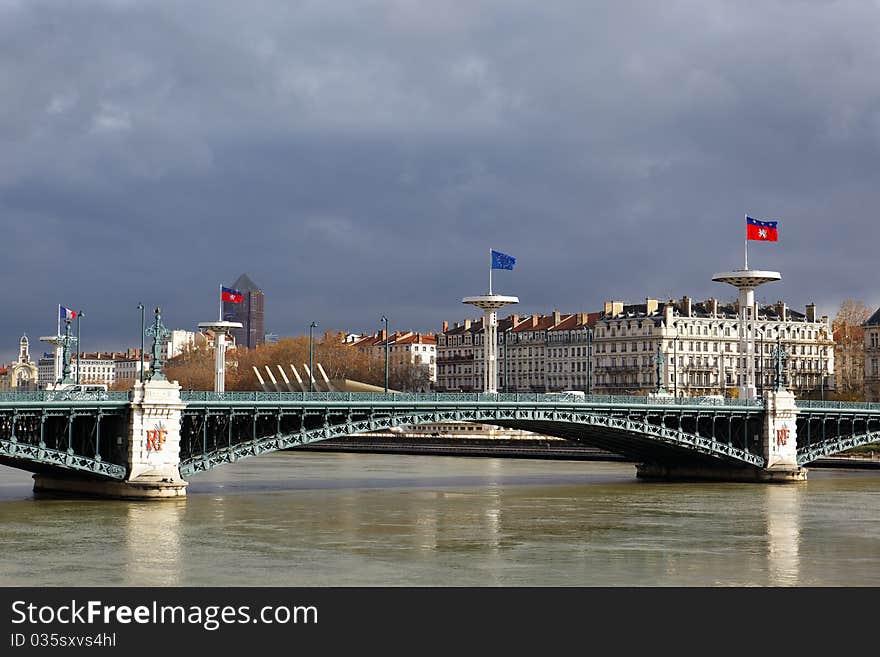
463 397
64 396
842 405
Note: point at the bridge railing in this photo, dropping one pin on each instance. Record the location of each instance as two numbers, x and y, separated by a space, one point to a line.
856 406
64 395
466 397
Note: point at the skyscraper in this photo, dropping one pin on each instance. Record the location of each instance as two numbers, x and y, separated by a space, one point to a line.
249 312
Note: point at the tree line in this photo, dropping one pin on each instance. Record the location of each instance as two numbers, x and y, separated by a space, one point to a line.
194 367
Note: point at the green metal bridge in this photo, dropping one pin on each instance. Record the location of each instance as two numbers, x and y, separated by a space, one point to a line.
87 434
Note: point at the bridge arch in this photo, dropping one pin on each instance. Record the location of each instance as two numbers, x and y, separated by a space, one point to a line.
631 436
835 445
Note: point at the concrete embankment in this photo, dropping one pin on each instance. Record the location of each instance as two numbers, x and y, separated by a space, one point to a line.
512 448
849 462
499 447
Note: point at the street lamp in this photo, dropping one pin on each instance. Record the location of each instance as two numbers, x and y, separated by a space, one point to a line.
658 359
760 332
78 347
590 360
141 307
385 319
675 362
506 380
311 368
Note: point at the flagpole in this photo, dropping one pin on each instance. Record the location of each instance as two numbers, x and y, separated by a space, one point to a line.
220 319
747 242
490 272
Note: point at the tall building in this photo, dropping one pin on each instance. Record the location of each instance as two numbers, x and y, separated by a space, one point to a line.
872 358
249 313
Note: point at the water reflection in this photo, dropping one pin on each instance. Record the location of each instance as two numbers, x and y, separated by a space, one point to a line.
783 512
385 520
153 543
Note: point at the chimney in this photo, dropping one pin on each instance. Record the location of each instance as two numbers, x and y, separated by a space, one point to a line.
685 308
382 336
582 318
613 307
557 317
650 306
811 312
467 323
534 321
713 307
668 313
458 325
781 310
514 320
445 326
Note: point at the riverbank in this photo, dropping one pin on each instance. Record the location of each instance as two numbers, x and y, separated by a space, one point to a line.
499 447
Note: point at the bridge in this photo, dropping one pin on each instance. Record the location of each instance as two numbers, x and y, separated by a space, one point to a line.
148 442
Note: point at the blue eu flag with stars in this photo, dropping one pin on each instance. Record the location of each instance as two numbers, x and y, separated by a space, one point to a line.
502 260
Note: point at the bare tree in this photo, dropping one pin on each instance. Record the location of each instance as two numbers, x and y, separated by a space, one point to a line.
193 368
849 350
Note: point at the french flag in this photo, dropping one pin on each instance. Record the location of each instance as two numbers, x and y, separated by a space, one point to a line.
764 231
66 314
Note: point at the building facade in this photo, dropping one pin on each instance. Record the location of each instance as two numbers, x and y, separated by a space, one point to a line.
250 313
537 353
403 347
697 347
111 368
872 358
616 351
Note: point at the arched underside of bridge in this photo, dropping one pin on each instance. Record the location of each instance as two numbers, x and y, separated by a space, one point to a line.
46 461
835 445
638 440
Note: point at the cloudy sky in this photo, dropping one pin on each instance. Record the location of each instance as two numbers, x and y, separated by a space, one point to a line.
359 158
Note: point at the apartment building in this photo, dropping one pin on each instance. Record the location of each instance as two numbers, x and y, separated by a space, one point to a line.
537 353
872 357
697 345
403 347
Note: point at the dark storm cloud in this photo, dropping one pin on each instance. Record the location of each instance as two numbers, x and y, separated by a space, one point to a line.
360 158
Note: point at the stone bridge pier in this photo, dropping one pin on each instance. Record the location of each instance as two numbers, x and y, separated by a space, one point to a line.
779 443
152 455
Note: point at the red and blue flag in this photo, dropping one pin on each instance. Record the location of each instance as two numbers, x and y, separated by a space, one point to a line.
764 231
231 295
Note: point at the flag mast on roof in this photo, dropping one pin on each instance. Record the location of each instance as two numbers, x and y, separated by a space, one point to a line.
489 304
746 280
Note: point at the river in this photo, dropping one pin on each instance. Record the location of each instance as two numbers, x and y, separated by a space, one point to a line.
331 519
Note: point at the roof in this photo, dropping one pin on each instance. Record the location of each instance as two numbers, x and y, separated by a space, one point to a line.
874 320
405 337
576 321
534 323
417 338
244 284
703 309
